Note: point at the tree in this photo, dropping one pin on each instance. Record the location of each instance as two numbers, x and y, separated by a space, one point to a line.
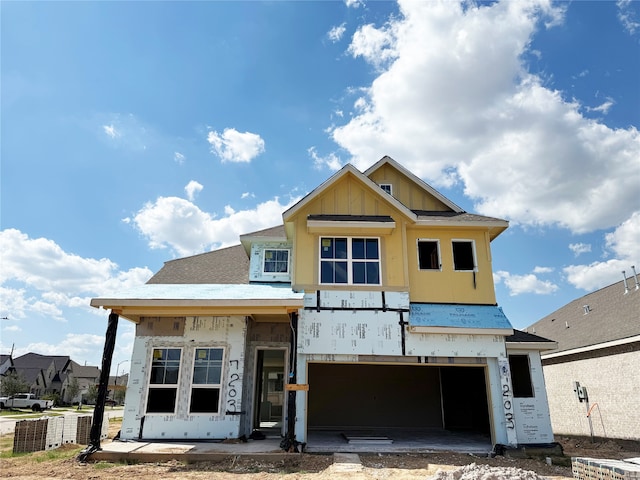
13 383
92 394
119 395
73 389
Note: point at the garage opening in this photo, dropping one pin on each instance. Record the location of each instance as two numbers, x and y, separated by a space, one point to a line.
356 396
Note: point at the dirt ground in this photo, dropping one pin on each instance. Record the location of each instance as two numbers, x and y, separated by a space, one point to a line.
62 464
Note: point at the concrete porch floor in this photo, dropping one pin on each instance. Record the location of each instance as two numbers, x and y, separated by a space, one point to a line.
320 442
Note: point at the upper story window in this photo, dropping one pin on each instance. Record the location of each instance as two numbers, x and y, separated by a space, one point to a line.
464 258
347 260
387 188
163 383
428 254
207 375
276 261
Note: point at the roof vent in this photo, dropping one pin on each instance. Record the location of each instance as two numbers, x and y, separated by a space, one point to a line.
635 276
587 309
624 279
566 324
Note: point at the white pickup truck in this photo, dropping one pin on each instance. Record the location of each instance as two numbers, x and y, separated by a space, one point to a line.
25 400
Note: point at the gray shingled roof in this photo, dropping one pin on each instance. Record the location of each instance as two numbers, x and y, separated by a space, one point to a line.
519 336
42 362
457 216
225 266
613 315
277 231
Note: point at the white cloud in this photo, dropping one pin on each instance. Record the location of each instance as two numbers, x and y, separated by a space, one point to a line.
77 346
331 161
580 248
623 243
12 328
461 109
247 195
543 269
180 225
126 131
192 188
38 276
179 158
354 3
336 33
234 146
111 131
627 16
373 44
520 284
602 108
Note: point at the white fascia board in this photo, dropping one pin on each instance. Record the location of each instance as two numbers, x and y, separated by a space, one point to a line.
135 302
590 348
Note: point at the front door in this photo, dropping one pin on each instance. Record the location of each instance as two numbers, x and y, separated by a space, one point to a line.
269 395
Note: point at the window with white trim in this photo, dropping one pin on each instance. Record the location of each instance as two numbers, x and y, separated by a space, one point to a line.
428 254
387 187
276 261
206 381
163 382
464 258
352 261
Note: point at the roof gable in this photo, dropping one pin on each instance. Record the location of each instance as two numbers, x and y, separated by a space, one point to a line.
347 173
416 194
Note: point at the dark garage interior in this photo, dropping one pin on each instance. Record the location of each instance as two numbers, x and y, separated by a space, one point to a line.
381 396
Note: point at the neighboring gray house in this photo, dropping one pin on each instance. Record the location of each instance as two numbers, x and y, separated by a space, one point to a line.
43 373
6 363
52 374
595 370
86 376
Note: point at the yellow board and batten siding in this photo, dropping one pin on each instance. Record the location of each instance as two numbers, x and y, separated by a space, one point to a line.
447 285
408 192
399 264
348 196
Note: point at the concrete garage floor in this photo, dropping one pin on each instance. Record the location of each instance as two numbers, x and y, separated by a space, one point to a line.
396 441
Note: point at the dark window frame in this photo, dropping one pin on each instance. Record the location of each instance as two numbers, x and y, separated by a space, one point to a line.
204 396
164 378
427 247
347 260
521 382
464 255
277 262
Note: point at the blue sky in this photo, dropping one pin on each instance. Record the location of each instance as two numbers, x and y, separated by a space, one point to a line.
137 132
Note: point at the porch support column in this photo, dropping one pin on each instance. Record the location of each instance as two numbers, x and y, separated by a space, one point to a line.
290 439
98 412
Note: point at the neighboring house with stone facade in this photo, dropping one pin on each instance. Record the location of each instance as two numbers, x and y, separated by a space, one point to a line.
371 308
595 369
